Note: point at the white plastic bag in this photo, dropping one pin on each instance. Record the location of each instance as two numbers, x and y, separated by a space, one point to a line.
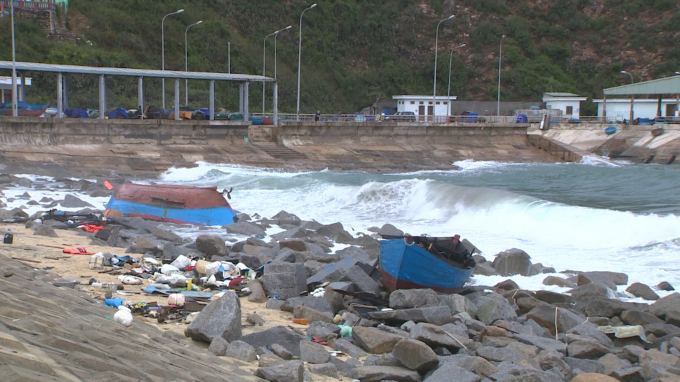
181 262
123 317
130 280
176 299
171 279
212 268
168 269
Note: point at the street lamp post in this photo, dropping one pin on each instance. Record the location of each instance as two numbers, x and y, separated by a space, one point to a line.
448 92
163 49
275 36
300 61
500 55
434 80
186 62
15 110
632 96
264 55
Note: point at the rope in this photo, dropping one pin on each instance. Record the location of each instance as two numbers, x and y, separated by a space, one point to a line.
556 324
455 339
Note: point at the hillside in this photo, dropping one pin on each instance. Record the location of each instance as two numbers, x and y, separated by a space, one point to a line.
356 52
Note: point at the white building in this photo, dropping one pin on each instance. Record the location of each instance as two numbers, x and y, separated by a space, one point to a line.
618 109
6 88
422 105
569 104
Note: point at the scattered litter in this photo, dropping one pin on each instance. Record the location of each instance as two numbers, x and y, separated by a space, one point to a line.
123 316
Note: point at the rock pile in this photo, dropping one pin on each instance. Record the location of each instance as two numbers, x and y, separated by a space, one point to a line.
485 333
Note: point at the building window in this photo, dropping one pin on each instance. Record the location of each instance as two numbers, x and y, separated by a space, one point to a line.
413 102
570 110
446 103
437 103
420 103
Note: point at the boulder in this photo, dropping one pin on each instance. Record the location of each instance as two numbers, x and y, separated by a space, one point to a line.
642 290
589 291
218 346
286 338
586 365
316 303
586 349
558 281
655 364
448 372
542 343
242 351
593 377
220 318
477 365
312 352
413 298
164 234
513 262
499 354
374 340
544 315
609 279
327 369
323 330
335 232
332 272
610 362
636 317
284 279
415 355
665 285
665 305
349 348
362 280
355 253
257 292
436 336
244 228
432 314
458 304
289 371
211 245
43 230
311 315
384 373
390 230
281 352
494 307
552 297
71 201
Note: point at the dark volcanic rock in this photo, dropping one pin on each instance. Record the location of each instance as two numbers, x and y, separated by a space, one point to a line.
211 245
415 355
290 371
276 335
375 340
642 290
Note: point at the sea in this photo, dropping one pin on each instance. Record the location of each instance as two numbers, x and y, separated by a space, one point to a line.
597 215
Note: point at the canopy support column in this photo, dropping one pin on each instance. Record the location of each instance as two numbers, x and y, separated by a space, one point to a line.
632 99
102 97
276 103
246 114
140 96
212 100
240 98
658 107
604 108
177 99
60 95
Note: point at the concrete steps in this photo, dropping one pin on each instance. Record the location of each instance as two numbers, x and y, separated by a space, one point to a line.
279 151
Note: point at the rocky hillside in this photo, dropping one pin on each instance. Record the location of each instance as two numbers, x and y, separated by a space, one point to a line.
355 53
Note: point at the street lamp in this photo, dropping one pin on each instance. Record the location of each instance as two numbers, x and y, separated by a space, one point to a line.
264 55
15 110
632 96
163 49
500 51
186 62
275 36
300 61
434 80
448 92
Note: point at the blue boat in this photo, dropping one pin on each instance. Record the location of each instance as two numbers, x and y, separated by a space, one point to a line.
610 130
443 264
23 109
172 203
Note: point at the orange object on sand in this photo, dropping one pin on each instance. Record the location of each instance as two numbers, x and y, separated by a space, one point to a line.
108 185
77 251
301 321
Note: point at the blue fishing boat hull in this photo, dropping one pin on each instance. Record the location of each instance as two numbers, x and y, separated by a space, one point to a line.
199 216
408 266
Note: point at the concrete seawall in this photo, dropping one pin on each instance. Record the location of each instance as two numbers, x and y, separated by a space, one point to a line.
130 148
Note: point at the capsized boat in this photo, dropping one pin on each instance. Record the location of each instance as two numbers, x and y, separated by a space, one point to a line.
173 203
23 109
443 264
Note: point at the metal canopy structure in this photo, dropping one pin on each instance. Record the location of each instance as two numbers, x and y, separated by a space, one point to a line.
669 85
658 87
62 94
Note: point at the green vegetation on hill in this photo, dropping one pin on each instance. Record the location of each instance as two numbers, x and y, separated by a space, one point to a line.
355 52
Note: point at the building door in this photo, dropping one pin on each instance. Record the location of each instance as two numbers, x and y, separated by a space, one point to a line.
430 111
570 110
421 111
670 109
